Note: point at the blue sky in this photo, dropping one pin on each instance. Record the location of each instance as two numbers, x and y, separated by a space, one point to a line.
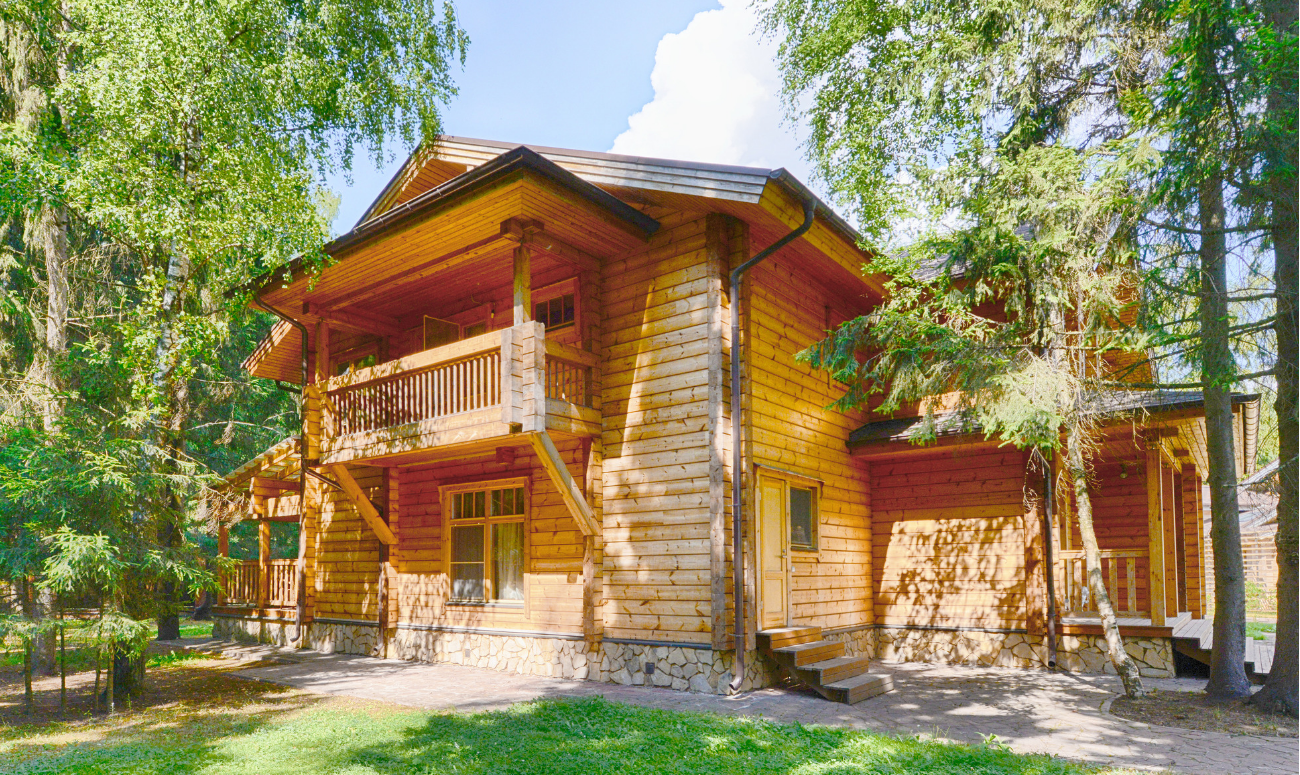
683 79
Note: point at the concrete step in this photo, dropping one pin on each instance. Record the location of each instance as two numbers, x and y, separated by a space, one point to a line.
781 637
803 654
832 670
858 688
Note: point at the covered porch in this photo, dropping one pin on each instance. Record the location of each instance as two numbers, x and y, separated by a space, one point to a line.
263 492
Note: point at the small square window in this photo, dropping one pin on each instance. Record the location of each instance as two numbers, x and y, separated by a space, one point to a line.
555 312
803 519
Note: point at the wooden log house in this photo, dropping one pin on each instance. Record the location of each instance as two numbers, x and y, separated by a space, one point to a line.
518 442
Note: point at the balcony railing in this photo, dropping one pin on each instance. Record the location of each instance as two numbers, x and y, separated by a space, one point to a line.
489 385
1120 572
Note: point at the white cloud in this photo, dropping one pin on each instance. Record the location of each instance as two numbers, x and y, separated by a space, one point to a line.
717 98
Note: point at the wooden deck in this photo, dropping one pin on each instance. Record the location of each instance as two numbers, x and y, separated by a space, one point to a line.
1192 637
1199 635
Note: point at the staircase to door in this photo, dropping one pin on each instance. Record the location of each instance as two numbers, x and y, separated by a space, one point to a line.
821 664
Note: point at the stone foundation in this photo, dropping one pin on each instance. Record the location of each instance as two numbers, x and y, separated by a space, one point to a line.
1087 654
857 643
1076 653
700 670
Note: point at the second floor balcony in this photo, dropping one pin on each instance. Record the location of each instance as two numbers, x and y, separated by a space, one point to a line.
477 390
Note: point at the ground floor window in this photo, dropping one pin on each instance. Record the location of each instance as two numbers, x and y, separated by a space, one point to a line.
485 539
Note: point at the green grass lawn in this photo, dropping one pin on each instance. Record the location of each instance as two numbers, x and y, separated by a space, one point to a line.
271 731
1256 630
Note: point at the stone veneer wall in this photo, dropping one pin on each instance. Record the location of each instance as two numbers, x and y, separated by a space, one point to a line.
700 670
1076 653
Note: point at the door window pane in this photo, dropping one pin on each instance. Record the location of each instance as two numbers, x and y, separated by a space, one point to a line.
803 519
508 560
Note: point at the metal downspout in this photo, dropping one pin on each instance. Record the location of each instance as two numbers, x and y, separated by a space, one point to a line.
1049 498
301 595
737 463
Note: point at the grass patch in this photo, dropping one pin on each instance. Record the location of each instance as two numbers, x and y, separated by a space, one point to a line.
1257 630
193 629
254 729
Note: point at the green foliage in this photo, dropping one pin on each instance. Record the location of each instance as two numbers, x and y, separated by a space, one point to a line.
184 142
1045 242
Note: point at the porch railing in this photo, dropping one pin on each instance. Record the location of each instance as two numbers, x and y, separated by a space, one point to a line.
239 584
1120 572
282 583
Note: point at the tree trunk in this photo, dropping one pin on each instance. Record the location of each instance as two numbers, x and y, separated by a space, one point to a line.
1124 664
1280 688
170 418
1218 374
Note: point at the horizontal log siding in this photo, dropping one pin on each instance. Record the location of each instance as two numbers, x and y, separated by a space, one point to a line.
553 568
656 467
948 536
1119 506
792 429
347 551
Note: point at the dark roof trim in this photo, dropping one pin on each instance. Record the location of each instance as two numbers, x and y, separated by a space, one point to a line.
781 176
516 160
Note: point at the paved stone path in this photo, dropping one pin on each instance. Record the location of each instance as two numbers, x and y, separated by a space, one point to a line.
1030 711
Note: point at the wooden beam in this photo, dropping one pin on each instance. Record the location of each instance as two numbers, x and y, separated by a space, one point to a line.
363 322
273 485
1155 537
434 266
559 249
559 473
1035 550
363 504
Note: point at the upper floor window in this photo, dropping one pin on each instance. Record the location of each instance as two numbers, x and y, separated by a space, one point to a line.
554 312
485 524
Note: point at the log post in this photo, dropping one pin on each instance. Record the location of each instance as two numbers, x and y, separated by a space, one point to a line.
523 285
1155 536
223 550
264 563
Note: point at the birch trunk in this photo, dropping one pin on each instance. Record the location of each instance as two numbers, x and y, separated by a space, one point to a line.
1077 469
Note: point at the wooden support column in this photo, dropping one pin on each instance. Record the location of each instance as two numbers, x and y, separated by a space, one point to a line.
1169 497
532 371
717 247
593 547
1035 551
264 563
1191 541
223 550
523 285
1155 537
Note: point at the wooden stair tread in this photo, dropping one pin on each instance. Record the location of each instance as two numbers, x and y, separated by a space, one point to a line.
781 637
835 669
861 687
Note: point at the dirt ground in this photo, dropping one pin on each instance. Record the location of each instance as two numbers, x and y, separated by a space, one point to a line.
179 685
1194 710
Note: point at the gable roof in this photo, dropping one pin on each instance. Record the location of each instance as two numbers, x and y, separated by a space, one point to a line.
712 181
